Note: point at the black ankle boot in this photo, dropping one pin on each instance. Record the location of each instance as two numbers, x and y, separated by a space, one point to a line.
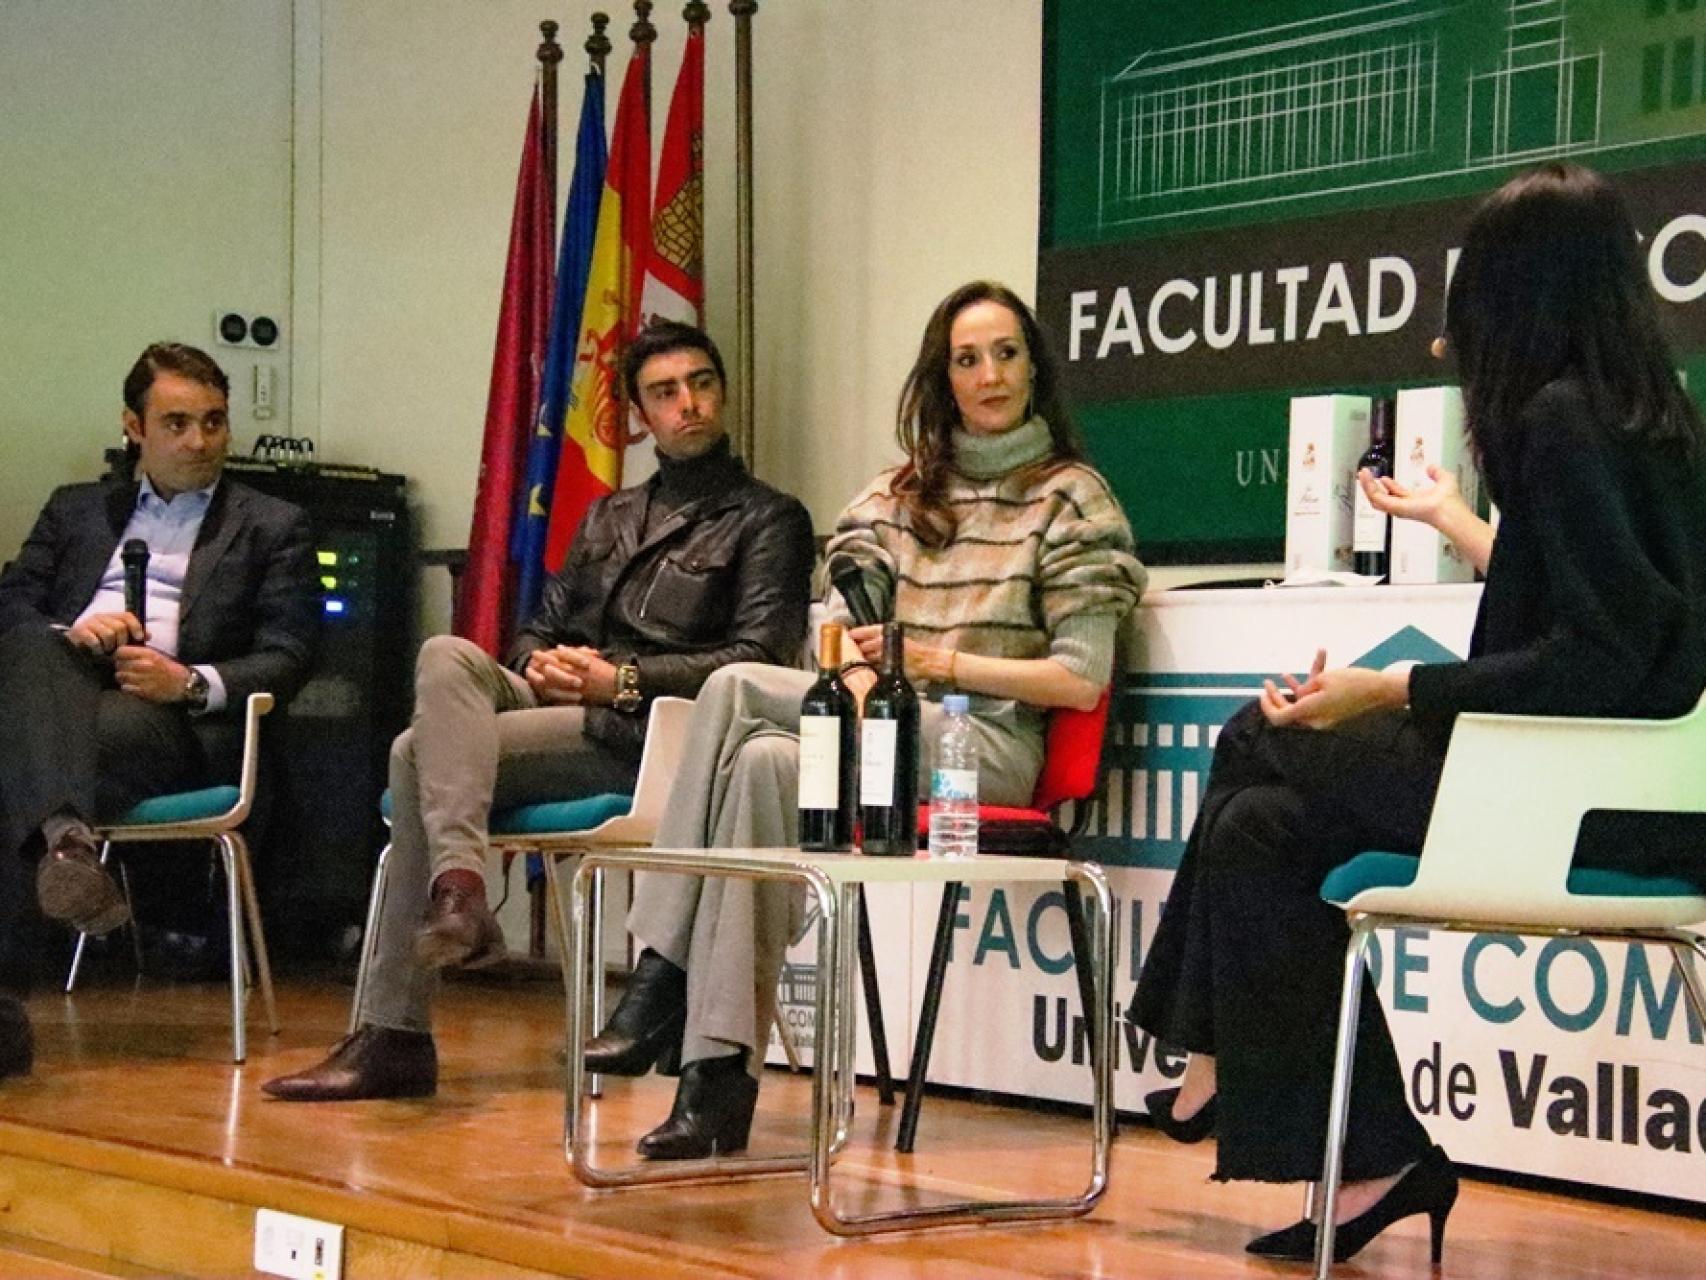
712 1114
647 1024
1429 1186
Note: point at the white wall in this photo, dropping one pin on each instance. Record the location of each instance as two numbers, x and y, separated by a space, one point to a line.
144 181
351 163
881 182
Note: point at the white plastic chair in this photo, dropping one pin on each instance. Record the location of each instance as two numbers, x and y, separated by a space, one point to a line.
1497 859
212 813
563 828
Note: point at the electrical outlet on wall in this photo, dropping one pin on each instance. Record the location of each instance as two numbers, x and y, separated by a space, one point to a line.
297 1248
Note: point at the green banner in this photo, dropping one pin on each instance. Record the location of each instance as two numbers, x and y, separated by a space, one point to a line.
1245 202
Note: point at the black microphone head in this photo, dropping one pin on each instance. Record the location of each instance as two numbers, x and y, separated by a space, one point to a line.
135 551
849 580
844 568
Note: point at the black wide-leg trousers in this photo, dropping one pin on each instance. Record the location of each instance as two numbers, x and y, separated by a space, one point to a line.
71 742
1247 962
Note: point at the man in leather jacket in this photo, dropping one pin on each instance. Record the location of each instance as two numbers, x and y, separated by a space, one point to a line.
700 566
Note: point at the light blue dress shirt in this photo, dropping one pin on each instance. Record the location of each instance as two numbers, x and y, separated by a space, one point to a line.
169 528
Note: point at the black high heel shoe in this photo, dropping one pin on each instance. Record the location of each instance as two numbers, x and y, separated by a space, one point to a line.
712 1114
1199 1126
1429 1186
646 1026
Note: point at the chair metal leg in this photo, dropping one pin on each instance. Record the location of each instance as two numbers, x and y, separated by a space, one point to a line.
595 905
874 1004
1684 946
83 938
927 1014
1338 1115
132 928
257 932
234 908
369 937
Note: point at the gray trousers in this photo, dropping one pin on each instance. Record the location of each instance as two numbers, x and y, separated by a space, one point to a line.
738 787
479 740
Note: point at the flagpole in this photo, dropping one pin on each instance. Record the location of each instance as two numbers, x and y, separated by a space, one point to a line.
598 44
746 439
644 32
550 53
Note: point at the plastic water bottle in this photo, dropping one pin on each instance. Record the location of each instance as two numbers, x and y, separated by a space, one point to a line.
953 784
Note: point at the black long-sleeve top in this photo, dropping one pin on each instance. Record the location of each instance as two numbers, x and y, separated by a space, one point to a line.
1595 603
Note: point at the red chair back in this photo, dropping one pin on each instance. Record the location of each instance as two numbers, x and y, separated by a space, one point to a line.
1072 754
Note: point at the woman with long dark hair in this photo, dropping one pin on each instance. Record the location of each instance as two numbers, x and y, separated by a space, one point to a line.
1009 564
1595 604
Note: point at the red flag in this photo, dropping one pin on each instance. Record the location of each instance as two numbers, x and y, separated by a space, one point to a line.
484 609
596 430
675 275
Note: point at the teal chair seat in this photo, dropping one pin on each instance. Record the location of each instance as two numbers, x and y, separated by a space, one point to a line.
182 806
560 815
551 817
1398 871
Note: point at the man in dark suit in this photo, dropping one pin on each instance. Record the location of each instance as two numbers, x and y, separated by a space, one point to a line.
103 708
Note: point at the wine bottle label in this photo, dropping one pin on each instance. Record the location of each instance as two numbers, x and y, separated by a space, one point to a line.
1368 531
877 741
954 784
820 762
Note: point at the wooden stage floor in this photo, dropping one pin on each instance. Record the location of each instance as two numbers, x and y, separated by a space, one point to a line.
138 1148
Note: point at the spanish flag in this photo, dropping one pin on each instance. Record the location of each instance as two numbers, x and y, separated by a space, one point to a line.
595 432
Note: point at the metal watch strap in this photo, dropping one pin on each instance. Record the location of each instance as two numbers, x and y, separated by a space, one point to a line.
628 696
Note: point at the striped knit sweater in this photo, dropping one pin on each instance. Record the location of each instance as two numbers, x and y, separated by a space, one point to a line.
1038 567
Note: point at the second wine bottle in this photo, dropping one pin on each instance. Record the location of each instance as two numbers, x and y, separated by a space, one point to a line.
888 756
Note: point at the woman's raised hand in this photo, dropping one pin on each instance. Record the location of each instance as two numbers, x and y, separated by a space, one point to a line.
1430 505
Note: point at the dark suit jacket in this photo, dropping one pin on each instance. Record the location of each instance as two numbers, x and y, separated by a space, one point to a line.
251 599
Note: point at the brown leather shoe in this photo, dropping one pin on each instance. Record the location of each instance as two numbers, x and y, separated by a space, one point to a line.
17 1041
73 886
375 1062
460 928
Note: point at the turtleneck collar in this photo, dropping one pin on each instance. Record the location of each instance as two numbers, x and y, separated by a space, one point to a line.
984 457
689 479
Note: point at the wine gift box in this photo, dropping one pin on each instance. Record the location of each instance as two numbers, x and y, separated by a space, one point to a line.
1429 432
1328 435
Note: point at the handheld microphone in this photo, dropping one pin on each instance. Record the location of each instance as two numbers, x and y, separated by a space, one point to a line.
135 558
849 580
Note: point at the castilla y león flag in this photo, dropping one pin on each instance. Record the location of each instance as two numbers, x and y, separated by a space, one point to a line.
675 276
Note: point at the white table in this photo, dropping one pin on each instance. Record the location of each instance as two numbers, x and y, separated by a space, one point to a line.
835 881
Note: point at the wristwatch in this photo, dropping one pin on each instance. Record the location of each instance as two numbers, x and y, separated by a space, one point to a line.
196 690
628 697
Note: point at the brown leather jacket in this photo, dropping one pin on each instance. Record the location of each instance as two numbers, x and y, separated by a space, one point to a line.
727 578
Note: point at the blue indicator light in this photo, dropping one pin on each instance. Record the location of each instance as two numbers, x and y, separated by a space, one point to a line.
336 606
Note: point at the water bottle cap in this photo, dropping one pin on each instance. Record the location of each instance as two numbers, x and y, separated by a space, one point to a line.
956 702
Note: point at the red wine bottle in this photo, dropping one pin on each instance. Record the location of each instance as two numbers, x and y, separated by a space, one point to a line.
888 756
1371 538
829 744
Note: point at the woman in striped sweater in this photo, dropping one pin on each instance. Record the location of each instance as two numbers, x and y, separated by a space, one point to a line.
1010 565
